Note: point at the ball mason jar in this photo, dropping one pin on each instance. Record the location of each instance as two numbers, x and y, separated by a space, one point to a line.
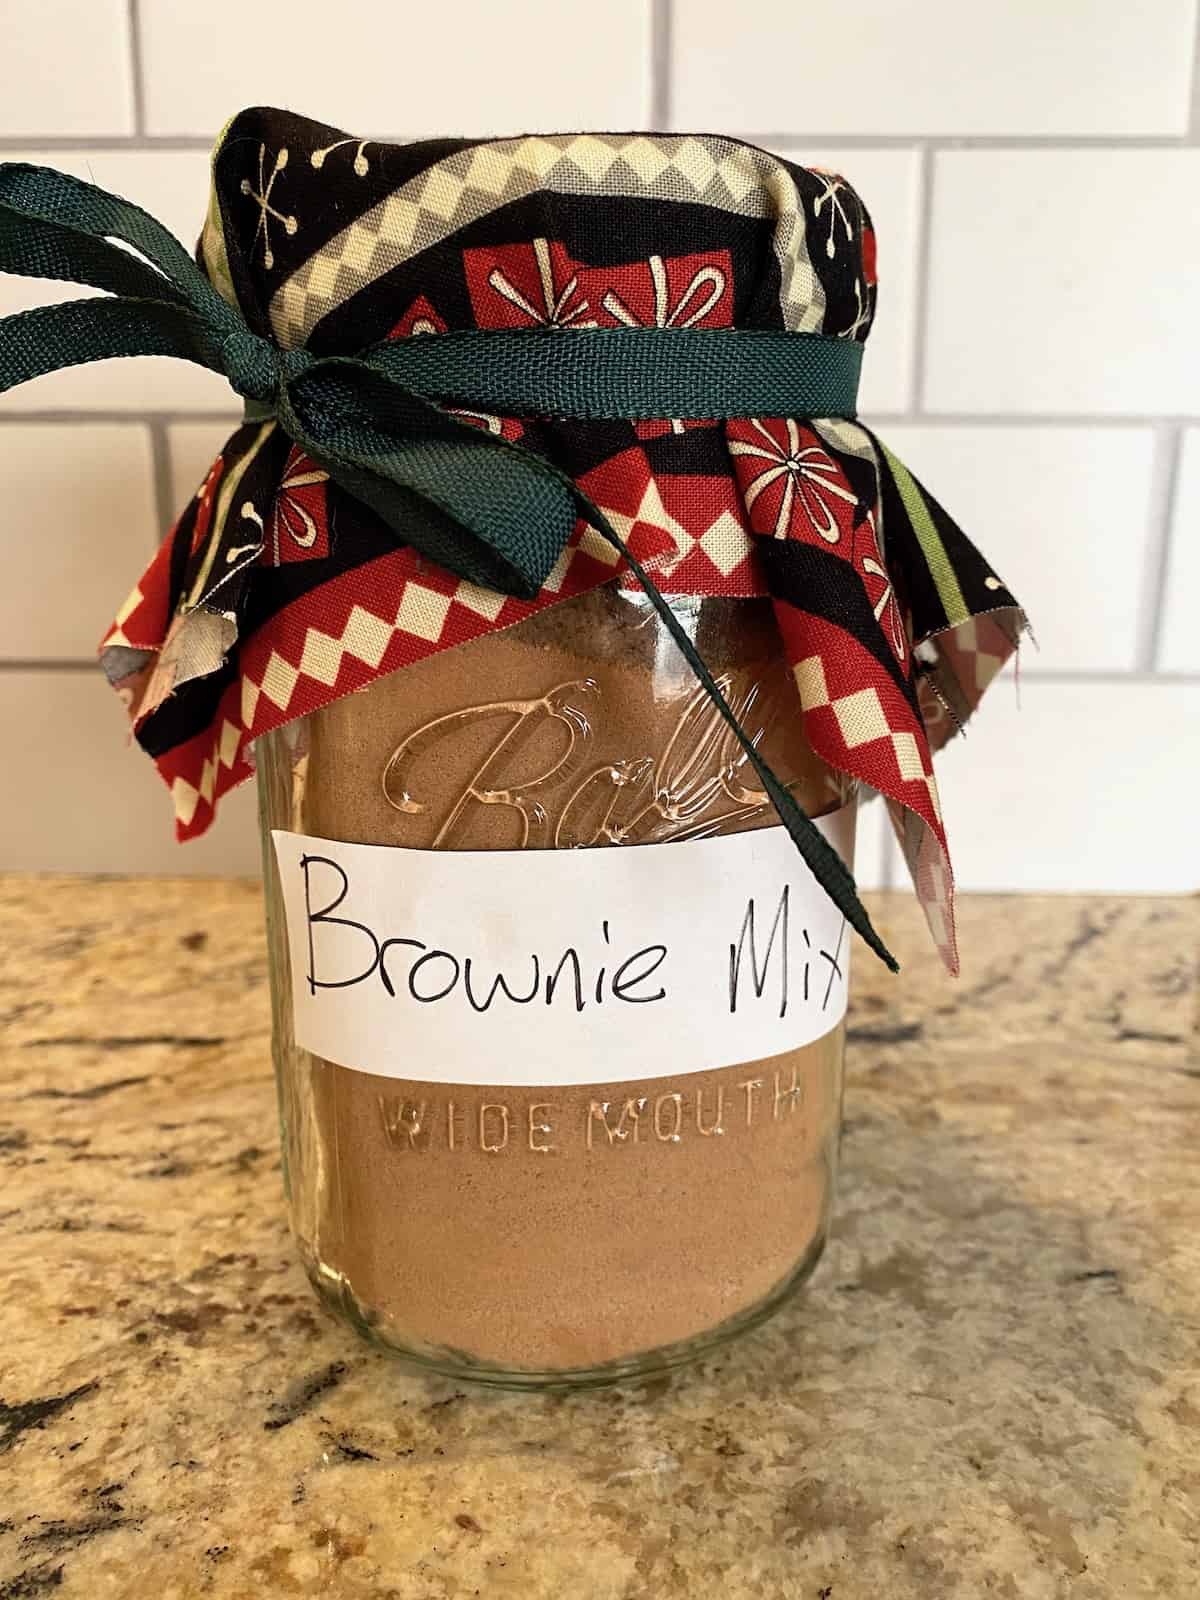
557 1234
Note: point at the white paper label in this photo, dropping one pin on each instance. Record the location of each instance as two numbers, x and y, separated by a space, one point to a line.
562 966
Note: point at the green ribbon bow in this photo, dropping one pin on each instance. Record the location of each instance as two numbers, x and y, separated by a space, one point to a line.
471 501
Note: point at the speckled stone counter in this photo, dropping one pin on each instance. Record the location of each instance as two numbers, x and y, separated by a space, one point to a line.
991 1388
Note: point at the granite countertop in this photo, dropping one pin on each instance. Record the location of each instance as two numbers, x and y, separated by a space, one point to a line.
991 1388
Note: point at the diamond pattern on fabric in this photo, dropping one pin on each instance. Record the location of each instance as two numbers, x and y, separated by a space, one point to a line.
860 717
463 188
277 592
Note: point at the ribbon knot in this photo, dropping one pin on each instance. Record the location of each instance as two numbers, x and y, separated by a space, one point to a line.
376 420
259 370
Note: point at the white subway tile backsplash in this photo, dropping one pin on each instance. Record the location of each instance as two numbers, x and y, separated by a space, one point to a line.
1065 515
1179 647
872 846
76 530
375 67
173 186
1079 787
79 798
194 447
934 66
1064 281
65 69
1061 284
889 182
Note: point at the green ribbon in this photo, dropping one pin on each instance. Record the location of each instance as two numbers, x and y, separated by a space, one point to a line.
471 501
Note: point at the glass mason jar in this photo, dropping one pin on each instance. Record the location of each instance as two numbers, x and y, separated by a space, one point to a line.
575 1234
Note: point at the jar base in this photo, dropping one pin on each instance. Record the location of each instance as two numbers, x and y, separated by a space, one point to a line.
336 1293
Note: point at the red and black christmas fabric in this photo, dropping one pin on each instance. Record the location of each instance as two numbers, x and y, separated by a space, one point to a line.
276 592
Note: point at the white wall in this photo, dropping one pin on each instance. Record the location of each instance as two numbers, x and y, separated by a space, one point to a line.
1034 172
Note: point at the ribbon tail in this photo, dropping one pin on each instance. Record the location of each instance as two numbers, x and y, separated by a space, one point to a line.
822 859
48 338
474 503
55 226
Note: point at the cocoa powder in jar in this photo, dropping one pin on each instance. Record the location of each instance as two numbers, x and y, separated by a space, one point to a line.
568 1227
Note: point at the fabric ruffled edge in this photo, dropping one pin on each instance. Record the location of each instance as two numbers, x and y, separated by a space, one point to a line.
891 620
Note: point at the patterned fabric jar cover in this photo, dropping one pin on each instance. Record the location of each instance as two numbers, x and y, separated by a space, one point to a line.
277 592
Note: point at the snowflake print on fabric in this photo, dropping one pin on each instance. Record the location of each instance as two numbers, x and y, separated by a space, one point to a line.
848 235
880 590
889 620
841 229
300 519
886 607
862 314
360 166
516 285
267 213
672 292
792 486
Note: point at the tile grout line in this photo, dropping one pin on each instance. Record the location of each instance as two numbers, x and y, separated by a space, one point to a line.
1168 443
163 477
962 141
137 75
103 141
1086 675
892 860
74 415
793 141
661 32
1035 419
921 271
50 664
1168 438
1164 488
